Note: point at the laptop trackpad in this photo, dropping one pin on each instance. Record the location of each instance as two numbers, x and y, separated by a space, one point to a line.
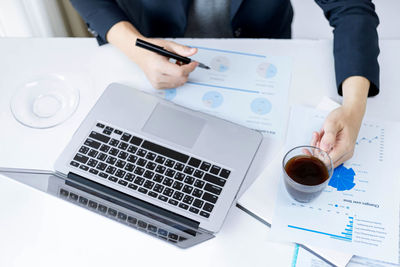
174 125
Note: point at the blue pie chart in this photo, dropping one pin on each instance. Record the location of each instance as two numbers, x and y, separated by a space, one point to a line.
261 106
213 99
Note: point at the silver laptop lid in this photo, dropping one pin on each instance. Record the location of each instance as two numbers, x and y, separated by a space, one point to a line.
161 126
114 205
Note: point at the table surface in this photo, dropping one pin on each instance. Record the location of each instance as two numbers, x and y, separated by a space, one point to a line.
242 240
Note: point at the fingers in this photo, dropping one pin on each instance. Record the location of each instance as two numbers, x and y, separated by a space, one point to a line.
180 49
329 137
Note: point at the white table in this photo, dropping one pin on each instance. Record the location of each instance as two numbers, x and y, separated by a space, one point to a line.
242 241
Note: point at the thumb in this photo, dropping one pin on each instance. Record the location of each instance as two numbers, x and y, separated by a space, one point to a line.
328 139
181 49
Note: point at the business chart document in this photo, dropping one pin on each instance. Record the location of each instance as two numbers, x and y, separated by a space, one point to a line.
358 212
249 89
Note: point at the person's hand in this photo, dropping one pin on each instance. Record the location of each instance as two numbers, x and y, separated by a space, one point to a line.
339 132
161 73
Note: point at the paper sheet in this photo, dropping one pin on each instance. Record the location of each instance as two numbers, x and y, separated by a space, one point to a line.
358 212
249 89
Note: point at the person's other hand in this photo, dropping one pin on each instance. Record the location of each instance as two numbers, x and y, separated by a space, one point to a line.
162 73
339 132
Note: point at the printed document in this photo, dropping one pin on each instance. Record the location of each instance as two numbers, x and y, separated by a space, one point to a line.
249 89
358 212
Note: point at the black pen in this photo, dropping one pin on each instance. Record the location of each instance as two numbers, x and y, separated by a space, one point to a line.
161 51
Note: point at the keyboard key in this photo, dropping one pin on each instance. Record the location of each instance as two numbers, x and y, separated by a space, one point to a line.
122 155
63 192
84 149
169 153
117 132
152 228
102 156
111 160
132 220
215 169
170 173
169 163
152 194
125 137
158 178
148 174
120 164
143 190
151 165
109 128
121 216
93 153
197 193
141 152
111 170
194 210
132 158
81 158
139 180
113 179
162 198
93 171
158 188
189 180
150 156
122 182
173 236
92 162
104 148
205 166
139 171
168 181
136 140
179 166
112 212
99 137
83 167
194 162
204 214
120 173
198 174
160 169
187 189
189 170
168 192
142 224
178 195
129 177
213 189
123 146
101 166
213 179
208 207
92 204
132 186
132 149
141 162
198 203
162 232
173 202
73 196
177 185
92 143
210 198
179 176
102 208
199 183
188 199
107 132
100 125
74 163
113 142
160 159
83 200
148 184
225 173
113 151
183 206
103 175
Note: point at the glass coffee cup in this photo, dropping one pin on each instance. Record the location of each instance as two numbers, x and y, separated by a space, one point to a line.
306 172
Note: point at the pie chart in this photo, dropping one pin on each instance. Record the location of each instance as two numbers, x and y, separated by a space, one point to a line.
220 64
212 99
261 106
266 70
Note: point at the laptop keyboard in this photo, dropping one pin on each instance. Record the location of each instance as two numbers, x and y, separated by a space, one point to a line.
148 168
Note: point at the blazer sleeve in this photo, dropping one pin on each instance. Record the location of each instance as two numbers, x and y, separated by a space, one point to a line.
355 47
100 16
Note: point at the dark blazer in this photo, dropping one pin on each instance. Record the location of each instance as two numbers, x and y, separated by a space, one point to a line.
355 37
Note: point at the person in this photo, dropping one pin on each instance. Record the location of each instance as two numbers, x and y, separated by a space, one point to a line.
355 49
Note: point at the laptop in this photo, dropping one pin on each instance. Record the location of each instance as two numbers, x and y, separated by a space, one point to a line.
181 164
